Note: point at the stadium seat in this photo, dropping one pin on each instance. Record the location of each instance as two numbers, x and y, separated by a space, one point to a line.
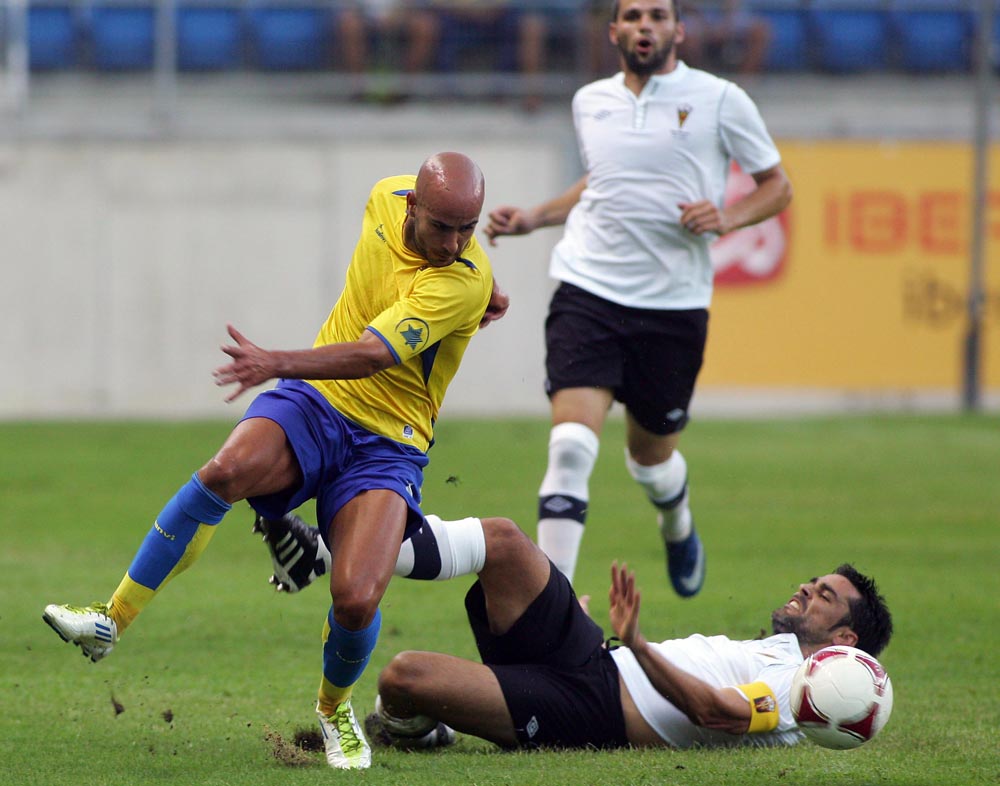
209 37
123 36
789 47
932 35
290 37
52 37
849 36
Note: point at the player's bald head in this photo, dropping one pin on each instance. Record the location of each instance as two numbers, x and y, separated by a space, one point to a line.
451 182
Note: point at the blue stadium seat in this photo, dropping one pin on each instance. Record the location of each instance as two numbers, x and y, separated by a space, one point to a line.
52 37
123 36
789 47
932 35
209 37
849 36
290 37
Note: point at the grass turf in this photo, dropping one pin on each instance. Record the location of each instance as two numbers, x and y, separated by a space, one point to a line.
219 667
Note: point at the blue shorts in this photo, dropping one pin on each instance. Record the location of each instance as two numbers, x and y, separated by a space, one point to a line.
339 459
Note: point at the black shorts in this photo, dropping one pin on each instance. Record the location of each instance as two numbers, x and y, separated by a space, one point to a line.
559 682
650 359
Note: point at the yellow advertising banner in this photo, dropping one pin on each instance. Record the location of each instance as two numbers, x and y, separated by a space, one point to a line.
862 284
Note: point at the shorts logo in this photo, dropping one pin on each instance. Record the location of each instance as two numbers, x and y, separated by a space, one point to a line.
415 333
532 728
675 414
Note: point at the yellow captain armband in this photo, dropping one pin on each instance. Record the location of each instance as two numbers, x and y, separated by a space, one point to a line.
763 707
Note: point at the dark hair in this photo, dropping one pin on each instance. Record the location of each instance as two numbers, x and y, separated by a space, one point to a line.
869 615
675 3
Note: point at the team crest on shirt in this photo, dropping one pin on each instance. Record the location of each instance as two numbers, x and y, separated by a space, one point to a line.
683 110
415 333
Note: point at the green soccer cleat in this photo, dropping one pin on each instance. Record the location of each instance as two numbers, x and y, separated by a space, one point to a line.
345 743
88 627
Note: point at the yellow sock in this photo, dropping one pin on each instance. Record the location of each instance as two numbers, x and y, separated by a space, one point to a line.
330 695
131 597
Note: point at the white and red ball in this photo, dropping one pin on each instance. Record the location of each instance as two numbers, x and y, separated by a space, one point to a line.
841 697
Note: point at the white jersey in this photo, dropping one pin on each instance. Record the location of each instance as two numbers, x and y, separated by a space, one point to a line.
643 155
722 663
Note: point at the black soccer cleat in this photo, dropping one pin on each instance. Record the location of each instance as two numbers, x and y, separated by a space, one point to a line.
298 554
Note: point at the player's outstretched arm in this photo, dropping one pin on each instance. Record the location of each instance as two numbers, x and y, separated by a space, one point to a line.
253 365
722 709
510 220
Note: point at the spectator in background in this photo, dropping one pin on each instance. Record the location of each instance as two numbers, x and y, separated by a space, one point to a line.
725 37
407 21
514 32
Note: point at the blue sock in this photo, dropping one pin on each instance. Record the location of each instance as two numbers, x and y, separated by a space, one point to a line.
346 652
166 542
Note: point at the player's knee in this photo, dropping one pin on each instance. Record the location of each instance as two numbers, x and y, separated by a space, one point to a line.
505 541
354 607
572 449
402 676
222 475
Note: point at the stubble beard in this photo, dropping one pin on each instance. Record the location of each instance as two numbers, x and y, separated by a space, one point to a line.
652 65
785 623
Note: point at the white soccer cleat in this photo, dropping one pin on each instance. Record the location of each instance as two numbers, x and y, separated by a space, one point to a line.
417 733
88 627
345 743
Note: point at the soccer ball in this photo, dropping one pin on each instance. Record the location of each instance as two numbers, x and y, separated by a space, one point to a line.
841 697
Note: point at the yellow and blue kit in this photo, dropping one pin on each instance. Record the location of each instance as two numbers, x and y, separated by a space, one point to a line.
425 315
348 435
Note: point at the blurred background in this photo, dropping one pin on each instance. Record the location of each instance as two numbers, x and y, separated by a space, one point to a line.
170 167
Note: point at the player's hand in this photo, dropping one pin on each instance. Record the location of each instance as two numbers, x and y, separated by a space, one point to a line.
701 217
624 599
497 307
508 220
251 365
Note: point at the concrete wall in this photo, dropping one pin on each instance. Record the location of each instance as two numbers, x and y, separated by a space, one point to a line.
122 262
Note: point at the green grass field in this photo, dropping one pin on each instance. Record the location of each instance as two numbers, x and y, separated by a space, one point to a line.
219 661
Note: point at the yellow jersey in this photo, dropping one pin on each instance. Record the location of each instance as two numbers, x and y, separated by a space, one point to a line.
425 315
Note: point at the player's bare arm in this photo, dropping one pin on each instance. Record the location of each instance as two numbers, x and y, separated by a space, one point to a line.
509 220
252 365
770 197
720 709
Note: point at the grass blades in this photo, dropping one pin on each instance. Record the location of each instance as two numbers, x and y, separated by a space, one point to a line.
220 670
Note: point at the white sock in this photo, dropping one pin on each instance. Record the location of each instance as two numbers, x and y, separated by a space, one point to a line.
564 494
560 540
666 486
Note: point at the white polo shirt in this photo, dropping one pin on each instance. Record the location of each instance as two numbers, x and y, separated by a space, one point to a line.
643 155
722 663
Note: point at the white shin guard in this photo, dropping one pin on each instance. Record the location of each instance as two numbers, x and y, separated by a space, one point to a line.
447 550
